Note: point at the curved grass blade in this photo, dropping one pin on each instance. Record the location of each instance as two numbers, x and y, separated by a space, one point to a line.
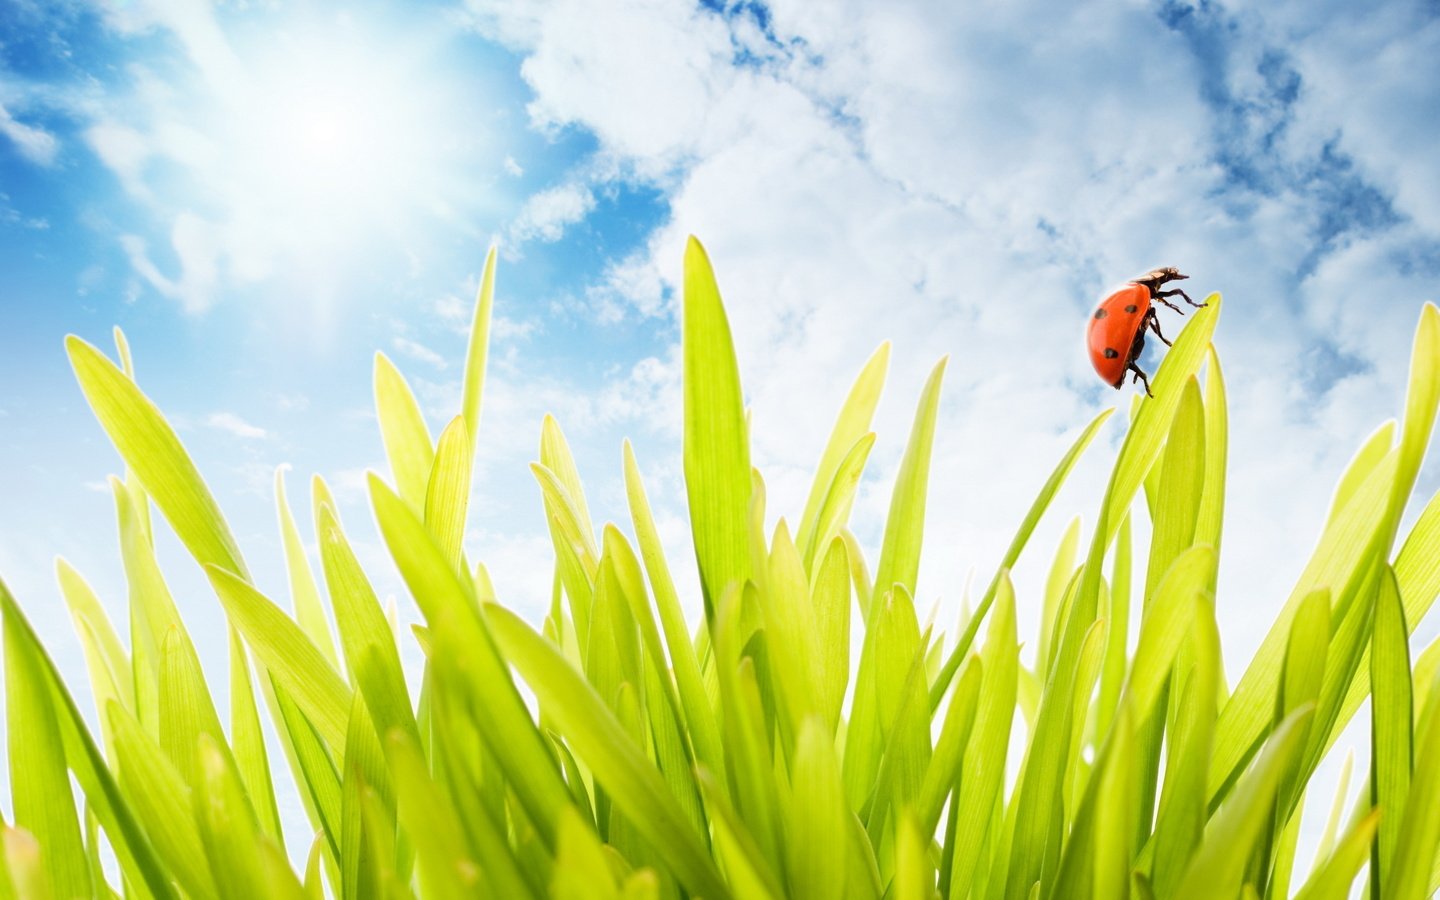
717 443
598 738
478 351
151 449
309 612
403 431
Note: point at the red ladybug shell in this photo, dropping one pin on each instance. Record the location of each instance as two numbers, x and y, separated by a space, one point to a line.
1112 329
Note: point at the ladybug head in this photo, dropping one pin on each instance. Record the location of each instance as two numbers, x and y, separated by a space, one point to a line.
1157 277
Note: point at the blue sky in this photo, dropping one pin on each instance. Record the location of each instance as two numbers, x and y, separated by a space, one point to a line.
264 194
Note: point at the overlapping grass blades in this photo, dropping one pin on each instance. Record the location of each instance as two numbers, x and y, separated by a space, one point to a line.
746 752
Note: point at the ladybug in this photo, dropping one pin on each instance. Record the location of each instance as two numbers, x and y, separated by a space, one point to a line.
1116 333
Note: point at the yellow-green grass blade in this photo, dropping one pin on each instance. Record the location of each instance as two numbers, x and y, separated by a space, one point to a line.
152 450
365 633
1117 634
983 770
1422 400
287 654
1217 443
447 496
227 827
1182 474
599 739
39 784
944 769
1415 852
835 511
830 595
152 610
1417 569
748 871
309 612
186 710
850 428
457 627
914 877
160 796
1098 849
817 819
105 656
1184 802
1391 726
1336 562
478 350
447 867
582 869
793 651
1376 447
555 456
689 683
1333 878
132 483
747 733
22 874
1087 673
1060 581
37 674
362 868
402 429
1012 554
905 524
312 767
249 742
716 443
1218 866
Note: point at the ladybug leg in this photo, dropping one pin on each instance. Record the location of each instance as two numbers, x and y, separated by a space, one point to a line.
1161 297
1182 294
1142 378
1154 323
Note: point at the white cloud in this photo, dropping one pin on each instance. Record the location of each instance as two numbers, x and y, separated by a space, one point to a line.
416 350
35 144
512 168
231 423
546 214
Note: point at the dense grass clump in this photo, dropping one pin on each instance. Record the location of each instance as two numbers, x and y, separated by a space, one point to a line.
618 750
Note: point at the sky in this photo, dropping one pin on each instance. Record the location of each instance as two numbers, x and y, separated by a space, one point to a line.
264 194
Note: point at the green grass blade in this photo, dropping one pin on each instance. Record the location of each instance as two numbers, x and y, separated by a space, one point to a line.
136 857
365 633
983 771
838 501
159 794
1060 580
816 818
717 443
600 741
478 350
1012 554
39 784
309 612
699 713
1415 852
905 524
402 429
830 595
850 428
555 456
1217 443
944 769
1218 867
582 870
1391 726
287 654
461 634
151 449
249 742
105 657
447 496
1333 878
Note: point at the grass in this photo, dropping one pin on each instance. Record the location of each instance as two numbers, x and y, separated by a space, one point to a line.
618 750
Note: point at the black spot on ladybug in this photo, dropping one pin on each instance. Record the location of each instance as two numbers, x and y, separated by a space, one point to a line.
1131 308
1110 354
1101 313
